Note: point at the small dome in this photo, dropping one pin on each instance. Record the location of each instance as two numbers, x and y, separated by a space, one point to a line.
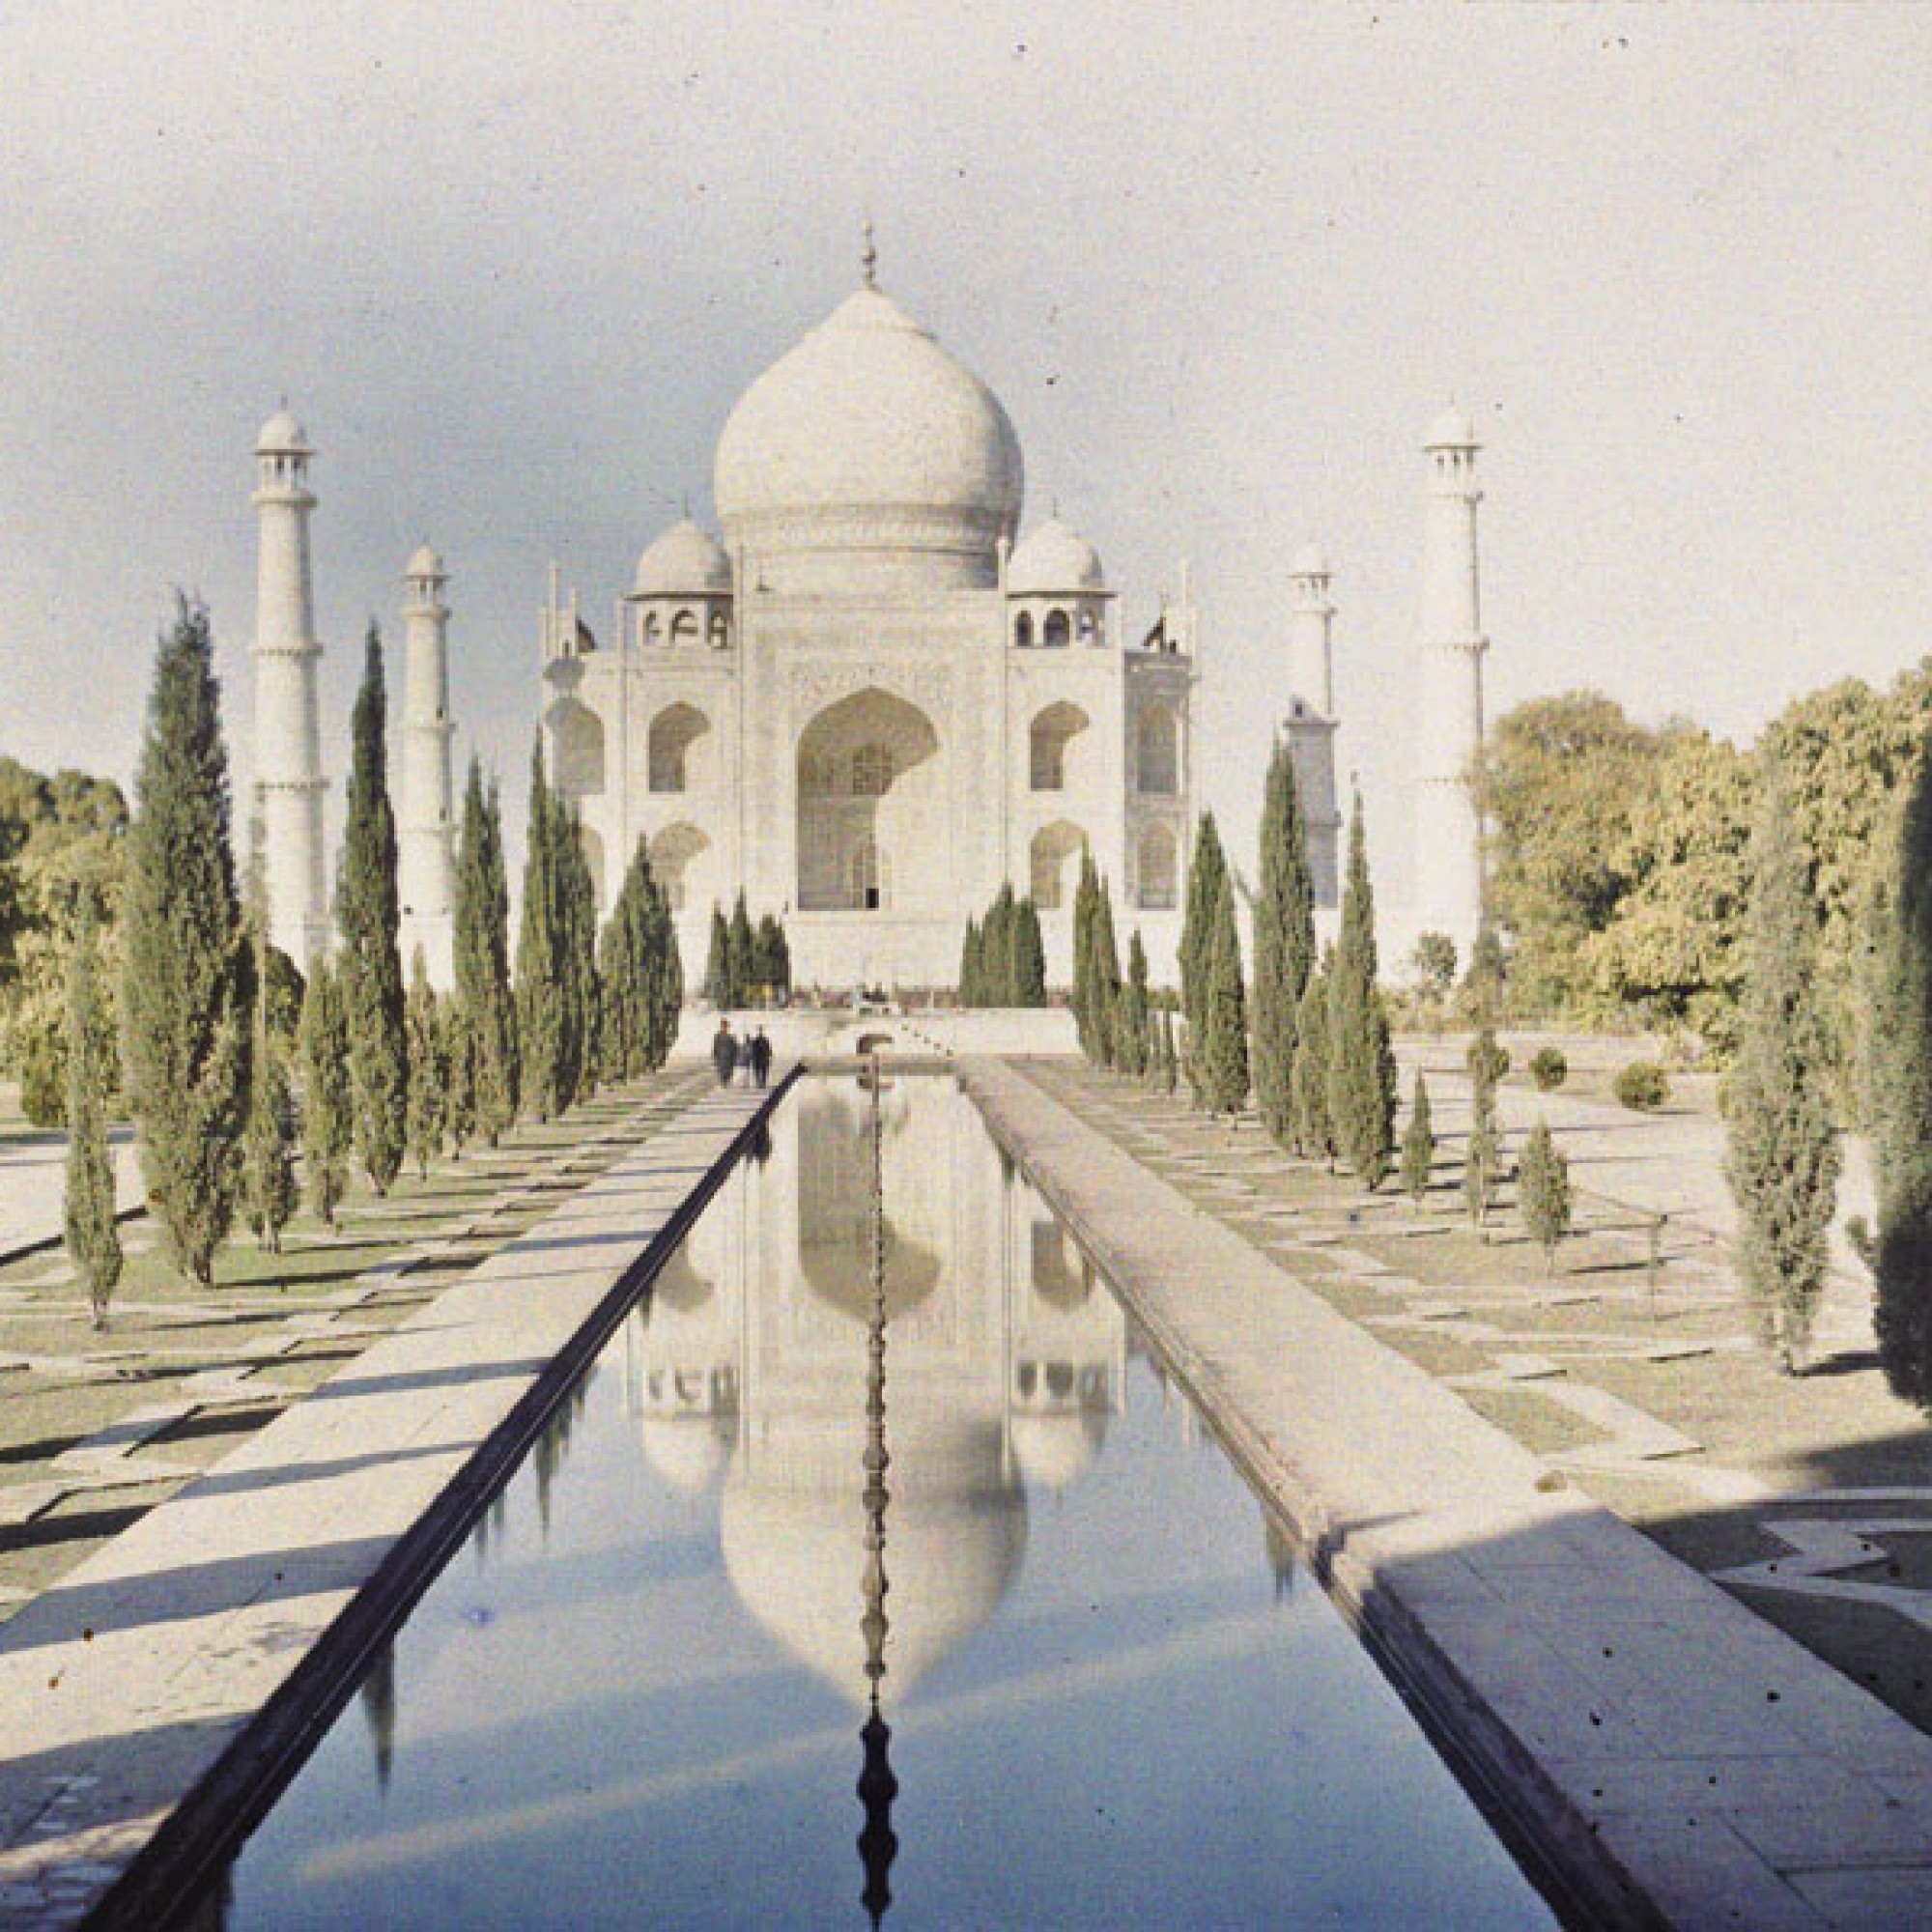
688 1451
425 563
1056 1450
1310 560
1051 562
686 562
1452 430
282 436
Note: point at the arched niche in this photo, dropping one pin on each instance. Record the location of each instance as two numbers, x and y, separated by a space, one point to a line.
681 863
1157 866
872 806
1054 864
577 747
1157 752
676 752
1050 745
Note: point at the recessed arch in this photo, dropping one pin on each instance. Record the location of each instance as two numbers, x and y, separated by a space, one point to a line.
1054 864
1056 632
577 748
1023 630
1157 752
676 750
871 832
684 628
681 863
1050 742
1157 866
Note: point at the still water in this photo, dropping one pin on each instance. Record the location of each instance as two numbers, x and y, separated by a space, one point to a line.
1105 1693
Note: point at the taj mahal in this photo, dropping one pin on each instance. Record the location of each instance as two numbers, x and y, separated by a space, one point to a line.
875 695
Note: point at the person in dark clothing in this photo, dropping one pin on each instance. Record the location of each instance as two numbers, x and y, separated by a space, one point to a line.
760 1051
725 1053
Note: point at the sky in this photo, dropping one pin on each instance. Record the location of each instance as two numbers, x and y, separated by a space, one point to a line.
1223 264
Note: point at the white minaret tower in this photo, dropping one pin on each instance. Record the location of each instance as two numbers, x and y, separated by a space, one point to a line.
1448 832
1310 724
426 856
289 785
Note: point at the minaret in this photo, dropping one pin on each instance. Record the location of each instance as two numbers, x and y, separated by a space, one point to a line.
1448 833
289 785
426 859
1310 724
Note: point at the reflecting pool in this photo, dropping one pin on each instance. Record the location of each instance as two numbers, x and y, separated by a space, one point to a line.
1073 1682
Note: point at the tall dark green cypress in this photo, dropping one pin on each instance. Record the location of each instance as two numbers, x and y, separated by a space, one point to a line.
740 959
1134 1049
268 1144
428 1116
368 917
92 1234
771 961
718 962
1308 1084
187 991
543 993
1029 957
1205 870
970 950
1284 943
666 976
1418 1144
1224 1013
1089 1017
483 989
1783 1154
1106 979
1361 1060
328 1110
576 946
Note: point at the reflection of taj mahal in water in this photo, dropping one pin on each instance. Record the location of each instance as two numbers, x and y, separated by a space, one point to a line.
1007 1357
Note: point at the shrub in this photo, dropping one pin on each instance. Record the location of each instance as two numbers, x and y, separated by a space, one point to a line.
1641 1085
1486 1051
1548 1068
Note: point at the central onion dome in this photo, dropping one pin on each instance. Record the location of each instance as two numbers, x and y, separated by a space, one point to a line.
869 457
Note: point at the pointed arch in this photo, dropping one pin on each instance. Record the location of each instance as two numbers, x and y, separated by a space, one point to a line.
675 750
681 863
1158 750
870 806
1049 742
1157 869
577 749
1054 862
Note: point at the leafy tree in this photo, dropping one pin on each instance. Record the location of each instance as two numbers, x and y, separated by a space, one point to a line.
1205 870
1361 1062
367 916
1561 777
1418 1144
93 1236
1224 1051
718 962
1313 1130
428 1117
327 1113
1782 1156
457 1047
1284 943
1134 1049
740 954
187 991
484 995
1434 961
1543 1184
544 968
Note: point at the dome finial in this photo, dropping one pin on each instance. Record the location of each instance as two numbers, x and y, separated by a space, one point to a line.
868 255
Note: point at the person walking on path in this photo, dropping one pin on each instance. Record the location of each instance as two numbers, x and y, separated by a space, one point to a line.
725 1053
761 1057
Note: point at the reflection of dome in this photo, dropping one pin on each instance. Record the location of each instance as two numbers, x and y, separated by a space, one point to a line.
688 1451
1452 430
1057 1450
840 1271
797 1560
868 437
686 562
1053 561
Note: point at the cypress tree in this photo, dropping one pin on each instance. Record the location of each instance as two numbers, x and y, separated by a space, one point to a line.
718 962
459 1057
1284 943
187 993
367 916
1361 1062
1418 1144
1543 1193
664 970
1029 957
969 964
1133 1050
1205 873
483 992
1224 1048
620 979
1782 1154
1483 1158
327 1106
1107 980
1086 999
93 1236
740 957
269 1161
1170 1059
1308 1081
771 964
577 947
428 1116
543 971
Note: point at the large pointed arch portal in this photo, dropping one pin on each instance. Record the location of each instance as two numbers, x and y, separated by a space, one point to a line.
872 819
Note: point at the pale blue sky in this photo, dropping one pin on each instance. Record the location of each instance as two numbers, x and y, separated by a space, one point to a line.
1222 262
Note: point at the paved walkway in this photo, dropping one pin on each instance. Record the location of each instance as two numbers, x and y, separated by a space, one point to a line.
1674 1750
138 1677
33 1186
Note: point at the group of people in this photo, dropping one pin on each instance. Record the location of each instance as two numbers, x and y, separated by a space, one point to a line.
729 1053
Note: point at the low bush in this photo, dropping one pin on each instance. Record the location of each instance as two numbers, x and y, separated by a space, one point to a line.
1641 1085
1548 1068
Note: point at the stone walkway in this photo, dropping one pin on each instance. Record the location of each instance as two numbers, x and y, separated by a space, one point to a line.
1661 1735
33 1186
139 1677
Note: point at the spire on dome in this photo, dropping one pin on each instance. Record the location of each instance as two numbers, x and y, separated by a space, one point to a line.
869 256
